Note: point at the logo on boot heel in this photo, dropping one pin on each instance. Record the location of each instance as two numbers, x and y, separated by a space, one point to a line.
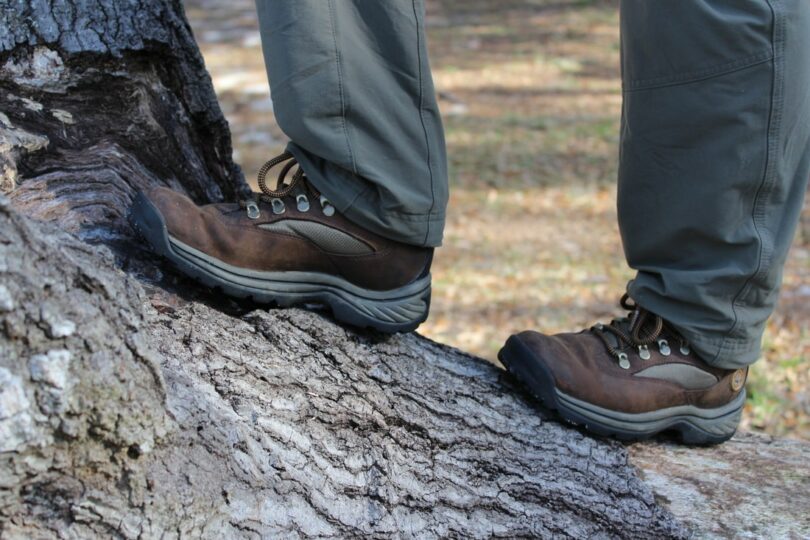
737 380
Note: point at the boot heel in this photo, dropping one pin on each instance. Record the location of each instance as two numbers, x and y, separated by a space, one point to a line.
397 313
705 431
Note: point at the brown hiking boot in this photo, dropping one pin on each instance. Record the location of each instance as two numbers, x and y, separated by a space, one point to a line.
631 379
289 246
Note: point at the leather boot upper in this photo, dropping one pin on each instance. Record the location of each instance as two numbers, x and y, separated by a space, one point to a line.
599 367
291 233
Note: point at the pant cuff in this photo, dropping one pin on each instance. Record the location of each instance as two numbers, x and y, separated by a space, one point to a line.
360 203
715 346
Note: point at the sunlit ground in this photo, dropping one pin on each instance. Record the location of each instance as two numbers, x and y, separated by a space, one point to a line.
531 99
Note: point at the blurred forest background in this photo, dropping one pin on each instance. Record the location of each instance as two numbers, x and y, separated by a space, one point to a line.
531 99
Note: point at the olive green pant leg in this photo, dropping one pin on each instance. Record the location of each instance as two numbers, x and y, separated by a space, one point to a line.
352 89
715 160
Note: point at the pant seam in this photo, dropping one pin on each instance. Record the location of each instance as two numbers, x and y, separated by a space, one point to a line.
414 218
707 77
358 195
341 92
700 75
420 61
729 345
768 180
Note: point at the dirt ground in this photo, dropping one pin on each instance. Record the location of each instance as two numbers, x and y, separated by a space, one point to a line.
531 98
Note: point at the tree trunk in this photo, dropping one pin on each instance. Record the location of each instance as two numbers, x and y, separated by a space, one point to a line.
134 405
101 98
749 487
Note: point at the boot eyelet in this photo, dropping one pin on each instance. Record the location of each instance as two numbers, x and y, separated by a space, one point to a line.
328 209
302 203
253 211
685 350
278 206
663 346
624 362
644 352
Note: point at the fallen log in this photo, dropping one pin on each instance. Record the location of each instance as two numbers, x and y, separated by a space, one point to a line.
133 404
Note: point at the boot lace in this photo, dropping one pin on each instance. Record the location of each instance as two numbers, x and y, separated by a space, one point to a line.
298 184
638 331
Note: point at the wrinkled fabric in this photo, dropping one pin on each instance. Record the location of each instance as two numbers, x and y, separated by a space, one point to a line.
352 89
715 142
715 160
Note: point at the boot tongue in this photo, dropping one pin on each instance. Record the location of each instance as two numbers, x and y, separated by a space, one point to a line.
610 338
613 340
623 324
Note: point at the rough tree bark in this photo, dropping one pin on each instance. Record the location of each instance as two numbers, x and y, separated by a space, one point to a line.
132 405
101 97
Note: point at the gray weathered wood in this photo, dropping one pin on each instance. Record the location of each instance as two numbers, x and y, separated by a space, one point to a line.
753 486
131 413
135 405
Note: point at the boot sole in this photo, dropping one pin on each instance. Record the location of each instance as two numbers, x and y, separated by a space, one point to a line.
397 310
693 425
